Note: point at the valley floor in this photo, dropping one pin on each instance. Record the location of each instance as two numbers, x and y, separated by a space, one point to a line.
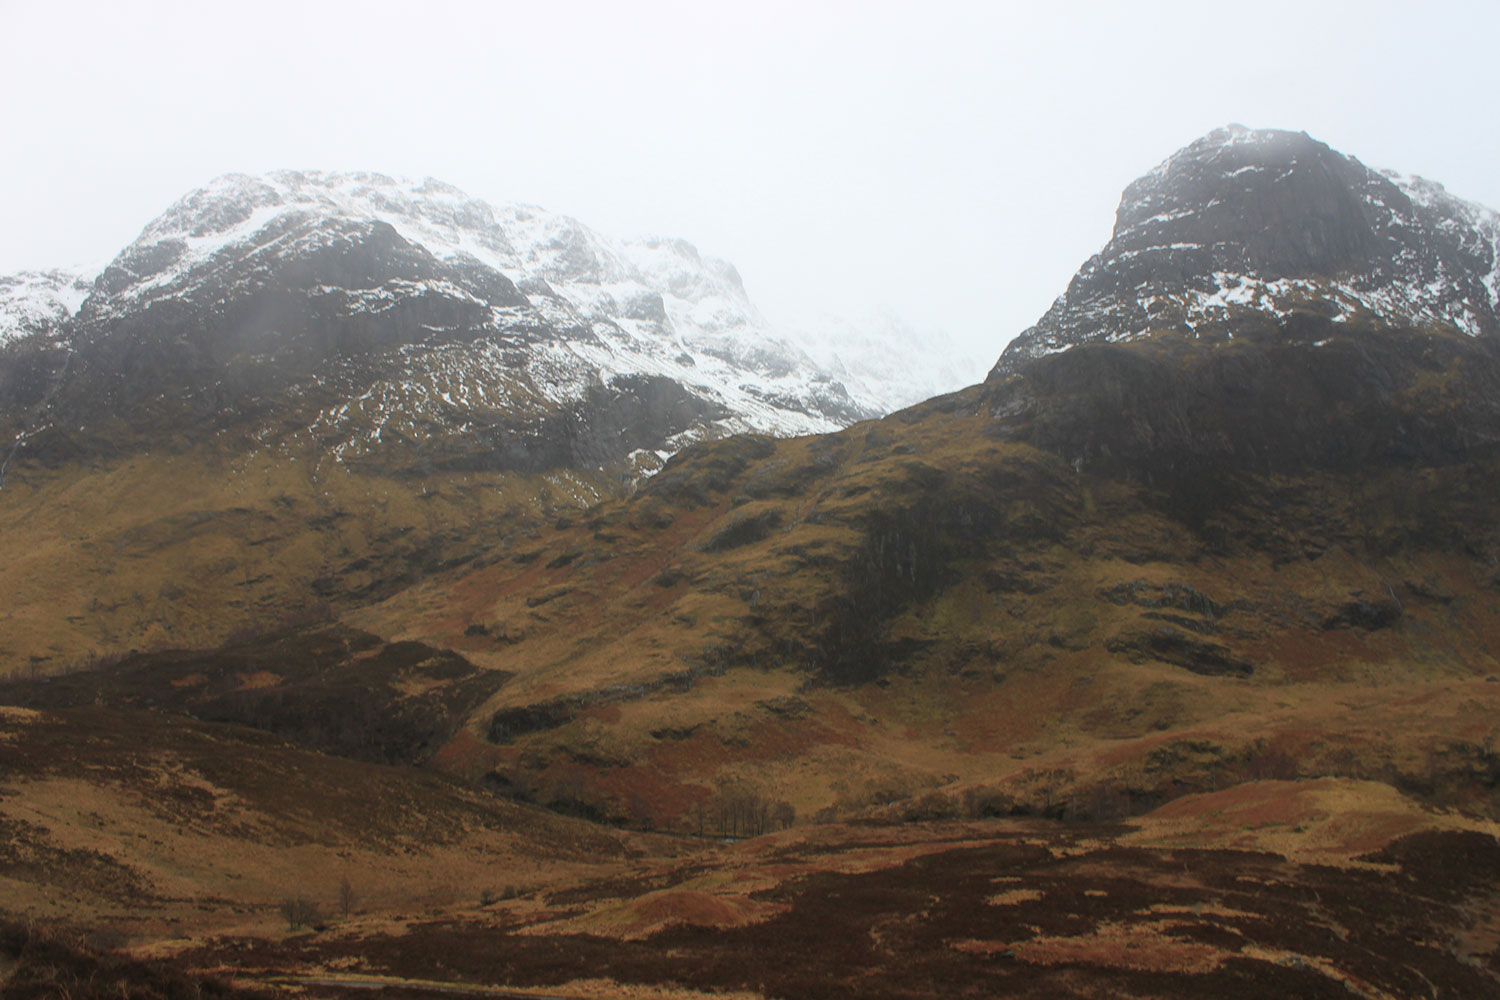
181 844
997 908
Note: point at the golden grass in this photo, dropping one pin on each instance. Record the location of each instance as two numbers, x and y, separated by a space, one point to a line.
1327 821
1139 946
1047 674
173 831
182 549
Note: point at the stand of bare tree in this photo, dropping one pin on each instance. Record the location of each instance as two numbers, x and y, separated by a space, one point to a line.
738 811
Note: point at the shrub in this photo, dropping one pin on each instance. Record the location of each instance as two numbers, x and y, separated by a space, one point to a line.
298 912
932 806
1107 800
1266 763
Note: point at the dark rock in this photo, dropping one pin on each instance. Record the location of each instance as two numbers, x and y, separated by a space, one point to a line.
1190 418
1368 615
1170 646
743 531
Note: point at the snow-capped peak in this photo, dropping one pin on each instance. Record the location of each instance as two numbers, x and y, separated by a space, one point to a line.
1260 223
653 305
467 314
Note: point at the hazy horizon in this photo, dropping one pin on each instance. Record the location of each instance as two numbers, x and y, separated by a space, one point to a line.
951 163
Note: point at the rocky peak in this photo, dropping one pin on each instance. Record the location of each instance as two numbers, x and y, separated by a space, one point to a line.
1251 225
534 267
406 316
1274 203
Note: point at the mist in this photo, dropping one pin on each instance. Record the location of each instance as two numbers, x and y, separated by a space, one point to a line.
951 162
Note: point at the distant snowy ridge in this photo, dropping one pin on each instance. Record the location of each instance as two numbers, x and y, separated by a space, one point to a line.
648 307
898 364
40 301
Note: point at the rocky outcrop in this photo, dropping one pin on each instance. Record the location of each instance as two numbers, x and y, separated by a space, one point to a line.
1265 306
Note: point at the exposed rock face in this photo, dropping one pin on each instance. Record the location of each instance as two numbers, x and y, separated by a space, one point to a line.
36 308
1275 403
300 293
1252 225
1266 306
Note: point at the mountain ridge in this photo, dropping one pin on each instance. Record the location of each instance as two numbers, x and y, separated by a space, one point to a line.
651 308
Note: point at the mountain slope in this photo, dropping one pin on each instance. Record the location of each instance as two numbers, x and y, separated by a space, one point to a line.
34 302
1128 544
310 267
301 285
880 349
303 389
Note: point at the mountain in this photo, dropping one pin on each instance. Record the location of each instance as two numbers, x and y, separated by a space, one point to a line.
261 284
1293 492
35 310
1160 663
304 282
1255 225
273 352
1082 560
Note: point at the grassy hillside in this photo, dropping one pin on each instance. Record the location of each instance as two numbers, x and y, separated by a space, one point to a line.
1082 591
931 613
145 821
1187 652
188 544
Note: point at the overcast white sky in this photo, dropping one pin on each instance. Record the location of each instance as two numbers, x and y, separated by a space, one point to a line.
955 162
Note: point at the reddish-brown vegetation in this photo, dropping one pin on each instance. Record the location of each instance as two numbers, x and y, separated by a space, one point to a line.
38 963
1080 918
